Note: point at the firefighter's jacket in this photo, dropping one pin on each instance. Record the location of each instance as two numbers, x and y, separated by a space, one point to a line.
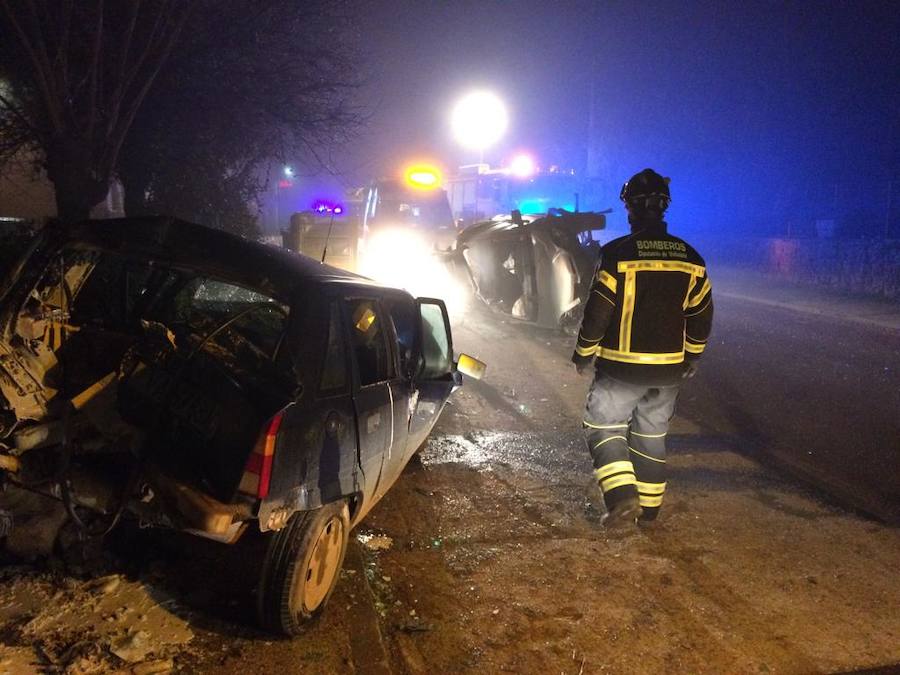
649 310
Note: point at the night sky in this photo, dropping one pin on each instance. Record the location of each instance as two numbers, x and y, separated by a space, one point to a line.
761 112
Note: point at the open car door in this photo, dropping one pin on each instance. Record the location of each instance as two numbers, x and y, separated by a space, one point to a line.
436 377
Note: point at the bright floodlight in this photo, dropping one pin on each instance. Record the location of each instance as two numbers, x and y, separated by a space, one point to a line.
522 166
479 120
288 172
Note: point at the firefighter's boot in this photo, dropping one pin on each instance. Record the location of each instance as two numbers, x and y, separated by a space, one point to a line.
623 507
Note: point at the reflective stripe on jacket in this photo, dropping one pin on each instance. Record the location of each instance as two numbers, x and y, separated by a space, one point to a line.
649 309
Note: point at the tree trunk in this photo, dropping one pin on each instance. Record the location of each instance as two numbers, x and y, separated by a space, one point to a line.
77 184
135 183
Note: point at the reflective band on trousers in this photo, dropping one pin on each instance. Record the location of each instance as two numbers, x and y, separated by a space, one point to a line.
613 468
651 488
604 426
617 481
586 351
607 440
650 502
641 454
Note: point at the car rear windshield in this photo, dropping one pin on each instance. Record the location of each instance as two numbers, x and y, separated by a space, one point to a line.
118 292
216 307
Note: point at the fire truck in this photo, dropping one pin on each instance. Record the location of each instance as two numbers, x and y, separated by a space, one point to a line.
379 224
329 233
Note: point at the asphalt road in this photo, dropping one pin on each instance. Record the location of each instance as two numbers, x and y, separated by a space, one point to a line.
817 394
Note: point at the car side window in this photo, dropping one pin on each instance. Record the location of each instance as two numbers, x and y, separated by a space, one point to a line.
435 341
368 339
403 315
334 367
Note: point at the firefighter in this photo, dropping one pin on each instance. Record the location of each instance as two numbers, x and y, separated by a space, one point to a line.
647 320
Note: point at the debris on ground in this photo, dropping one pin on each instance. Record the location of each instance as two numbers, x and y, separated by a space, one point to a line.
157 667
87 626
34 522
375 542
132 648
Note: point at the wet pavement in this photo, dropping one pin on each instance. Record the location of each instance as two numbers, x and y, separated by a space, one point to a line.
816 394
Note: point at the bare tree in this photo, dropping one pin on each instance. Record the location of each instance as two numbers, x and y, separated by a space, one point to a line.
250 81
73 76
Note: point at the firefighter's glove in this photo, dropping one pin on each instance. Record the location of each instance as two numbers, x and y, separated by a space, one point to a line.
690 369
581 362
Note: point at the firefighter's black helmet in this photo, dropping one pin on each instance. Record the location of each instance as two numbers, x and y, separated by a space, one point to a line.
646 191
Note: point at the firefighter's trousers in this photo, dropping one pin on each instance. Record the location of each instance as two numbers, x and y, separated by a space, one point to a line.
625 427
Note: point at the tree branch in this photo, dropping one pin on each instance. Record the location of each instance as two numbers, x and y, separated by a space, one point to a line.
17 113
42 53
62 51
94 72
124 124
128 78
123 59
44 86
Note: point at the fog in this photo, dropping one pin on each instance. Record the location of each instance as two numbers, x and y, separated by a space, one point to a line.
767 116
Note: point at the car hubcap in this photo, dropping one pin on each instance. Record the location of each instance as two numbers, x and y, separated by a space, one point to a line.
323 564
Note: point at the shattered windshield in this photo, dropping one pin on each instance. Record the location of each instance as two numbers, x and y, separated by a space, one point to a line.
114 292
226 314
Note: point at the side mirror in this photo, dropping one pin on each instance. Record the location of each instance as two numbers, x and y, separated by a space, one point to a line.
471 367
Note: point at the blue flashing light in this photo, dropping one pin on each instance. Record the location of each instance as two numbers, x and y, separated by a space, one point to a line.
532 205
542 206
323 207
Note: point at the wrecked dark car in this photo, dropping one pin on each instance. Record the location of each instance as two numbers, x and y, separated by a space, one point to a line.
182 377
537 268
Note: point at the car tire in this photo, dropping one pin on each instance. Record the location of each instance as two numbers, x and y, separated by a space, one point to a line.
301 568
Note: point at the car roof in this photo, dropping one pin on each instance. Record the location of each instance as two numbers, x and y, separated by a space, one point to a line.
181 243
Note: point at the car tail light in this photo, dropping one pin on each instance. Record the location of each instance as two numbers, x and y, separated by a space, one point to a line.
258 470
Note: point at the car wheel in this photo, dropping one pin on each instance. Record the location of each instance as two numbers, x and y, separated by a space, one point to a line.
302 566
